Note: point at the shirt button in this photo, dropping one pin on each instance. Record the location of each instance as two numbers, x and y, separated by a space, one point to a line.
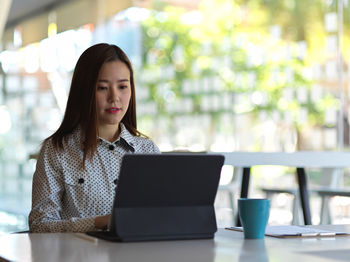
81 180
111 147
115 181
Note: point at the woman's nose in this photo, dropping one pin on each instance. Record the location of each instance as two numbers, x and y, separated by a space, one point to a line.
113 95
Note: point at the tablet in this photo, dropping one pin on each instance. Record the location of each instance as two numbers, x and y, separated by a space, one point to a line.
165 197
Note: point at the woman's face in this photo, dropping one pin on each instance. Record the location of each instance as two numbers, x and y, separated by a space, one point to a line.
113 92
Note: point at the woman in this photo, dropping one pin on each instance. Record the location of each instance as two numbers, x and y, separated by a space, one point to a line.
78 166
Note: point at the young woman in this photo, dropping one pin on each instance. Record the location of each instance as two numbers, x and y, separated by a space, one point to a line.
78 166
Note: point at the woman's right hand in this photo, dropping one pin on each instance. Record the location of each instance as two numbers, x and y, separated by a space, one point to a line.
101 222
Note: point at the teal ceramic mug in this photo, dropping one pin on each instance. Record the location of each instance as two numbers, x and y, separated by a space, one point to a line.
254 214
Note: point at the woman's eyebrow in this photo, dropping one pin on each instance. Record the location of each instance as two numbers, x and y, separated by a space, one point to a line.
120 80
123 80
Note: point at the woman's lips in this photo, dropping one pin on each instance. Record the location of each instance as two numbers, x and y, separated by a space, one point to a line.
113 110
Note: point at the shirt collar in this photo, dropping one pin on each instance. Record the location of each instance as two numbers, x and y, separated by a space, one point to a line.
127 137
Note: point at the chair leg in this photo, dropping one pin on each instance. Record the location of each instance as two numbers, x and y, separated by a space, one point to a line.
325 216
232 204
296 210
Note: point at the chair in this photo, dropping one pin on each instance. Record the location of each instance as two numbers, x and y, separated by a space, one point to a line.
269 192
330 177
326 194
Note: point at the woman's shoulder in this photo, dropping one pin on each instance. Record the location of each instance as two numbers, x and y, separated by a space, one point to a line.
145 145
48 145
142 139
139 142
72 140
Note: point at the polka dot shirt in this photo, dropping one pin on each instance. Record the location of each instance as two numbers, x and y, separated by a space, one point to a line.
66 198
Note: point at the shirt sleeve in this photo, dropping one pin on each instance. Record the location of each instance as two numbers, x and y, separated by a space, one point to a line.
47 191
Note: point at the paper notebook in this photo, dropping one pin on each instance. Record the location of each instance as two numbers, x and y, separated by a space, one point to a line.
296 231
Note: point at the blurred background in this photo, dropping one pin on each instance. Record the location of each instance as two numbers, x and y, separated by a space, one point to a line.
213 75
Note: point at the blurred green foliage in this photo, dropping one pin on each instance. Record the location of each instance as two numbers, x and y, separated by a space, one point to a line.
231 42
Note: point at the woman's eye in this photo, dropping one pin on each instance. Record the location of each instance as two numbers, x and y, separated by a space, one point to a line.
101 88
123 86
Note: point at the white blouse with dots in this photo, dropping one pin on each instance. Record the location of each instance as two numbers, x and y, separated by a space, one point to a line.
66 198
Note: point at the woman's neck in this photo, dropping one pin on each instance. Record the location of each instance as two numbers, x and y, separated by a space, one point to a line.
109 133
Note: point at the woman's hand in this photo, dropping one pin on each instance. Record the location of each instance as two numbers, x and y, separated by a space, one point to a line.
102 222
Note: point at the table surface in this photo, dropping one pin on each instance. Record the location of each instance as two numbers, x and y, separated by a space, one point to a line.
331 159
226 246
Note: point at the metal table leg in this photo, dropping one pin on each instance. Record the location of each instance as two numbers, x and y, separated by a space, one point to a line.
304 195
244 189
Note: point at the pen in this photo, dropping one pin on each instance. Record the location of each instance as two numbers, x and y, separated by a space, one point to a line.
309 234
86 237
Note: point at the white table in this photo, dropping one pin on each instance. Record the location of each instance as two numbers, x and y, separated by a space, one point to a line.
227 246
300 160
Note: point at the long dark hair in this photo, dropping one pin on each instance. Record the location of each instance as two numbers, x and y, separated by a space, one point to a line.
81 104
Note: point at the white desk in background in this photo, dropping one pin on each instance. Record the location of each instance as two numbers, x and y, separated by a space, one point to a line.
227 246
299 160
